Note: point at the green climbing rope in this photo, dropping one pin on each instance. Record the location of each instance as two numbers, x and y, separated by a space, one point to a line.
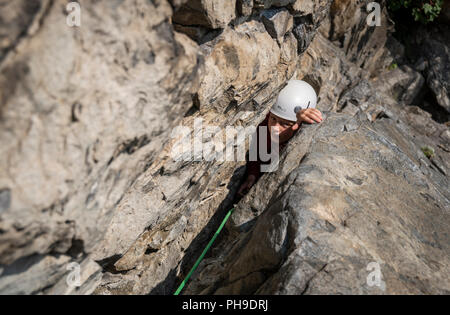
203 253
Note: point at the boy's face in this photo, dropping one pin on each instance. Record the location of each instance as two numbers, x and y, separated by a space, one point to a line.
284 127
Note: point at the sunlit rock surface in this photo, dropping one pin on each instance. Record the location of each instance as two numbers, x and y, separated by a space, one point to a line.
87 178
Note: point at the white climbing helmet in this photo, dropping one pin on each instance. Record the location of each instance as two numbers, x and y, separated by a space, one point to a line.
297 95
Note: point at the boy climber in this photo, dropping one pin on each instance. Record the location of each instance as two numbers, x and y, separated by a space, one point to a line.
296 104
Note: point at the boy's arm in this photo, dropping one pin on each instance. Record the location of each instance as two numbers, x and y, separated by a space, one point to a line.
254 168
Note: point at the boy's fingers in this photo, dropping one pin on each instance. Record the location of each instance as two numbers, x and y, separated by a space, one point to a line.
318 112
316 117
295 127
312 118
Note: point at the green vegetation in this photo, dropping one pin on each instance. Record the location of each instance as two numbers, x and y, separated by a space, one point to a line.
423 11
393 66
429 152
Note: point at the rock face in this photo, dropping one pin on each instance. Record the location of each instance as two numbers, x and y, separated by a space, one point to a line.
83 112
434 57
336 208
209 13
278 22
88 185
15 17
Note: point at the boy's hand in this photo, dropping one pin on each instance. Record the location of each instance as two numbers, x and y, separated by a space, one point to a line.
245 187
309 115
